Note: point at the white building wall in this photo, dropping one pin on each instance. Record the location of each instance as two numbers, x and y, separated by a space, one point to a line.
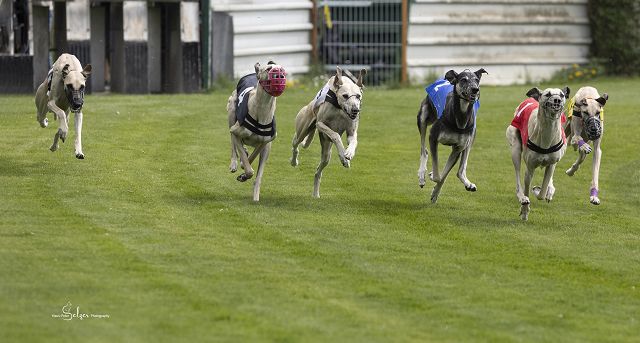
278 30
516 41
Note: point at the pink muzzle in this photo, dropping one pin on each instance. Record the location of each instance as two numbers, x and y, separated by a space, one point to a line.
276 81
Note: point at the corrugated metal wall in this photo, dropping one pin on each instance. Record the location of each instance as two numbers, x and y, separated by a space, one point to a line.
517 41
269 30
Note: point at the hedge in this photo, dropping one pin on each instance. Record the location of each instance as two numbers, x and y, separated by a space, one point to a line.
615 29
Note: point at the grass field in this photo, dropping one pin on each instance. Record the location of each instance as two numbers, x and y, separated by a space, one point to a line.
153 230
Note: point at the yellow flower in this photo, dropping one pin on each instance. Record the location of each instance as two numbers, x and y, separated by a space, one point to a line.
593 71
578 73
575 66
570 77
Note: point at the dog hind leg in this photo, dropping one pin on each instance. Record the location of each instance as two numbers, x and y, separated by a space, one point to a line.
434 175
424 156
453 158
244 159
325 156
264 155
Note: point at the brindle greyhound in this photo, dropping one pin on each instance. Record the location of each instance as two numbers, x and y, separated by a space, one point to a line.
454 124
63 91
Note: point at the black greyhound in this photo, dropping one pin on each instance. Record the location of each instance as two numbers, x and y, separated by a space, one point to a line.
450 106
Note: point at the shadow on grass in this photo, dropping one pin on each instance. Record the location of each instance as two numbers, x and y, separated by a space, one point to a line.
15 167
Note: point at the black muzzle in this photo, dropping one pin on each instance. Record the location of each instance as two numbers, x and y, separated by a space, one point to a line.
75 97
593 128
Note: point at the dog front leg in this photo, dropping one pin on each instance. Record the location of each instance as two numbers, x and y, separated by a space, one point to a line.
597 156
352 142
462 171
244 159
78 142
542 192
325 156
451 161
576 165
335 138
264 155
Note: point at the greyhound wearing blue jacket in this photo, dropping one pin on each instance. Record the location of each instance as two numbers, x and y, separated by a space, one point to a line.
450 107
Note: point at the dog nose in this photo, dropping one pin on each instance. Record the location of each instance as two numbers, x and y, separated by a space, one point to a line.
475 90
355 111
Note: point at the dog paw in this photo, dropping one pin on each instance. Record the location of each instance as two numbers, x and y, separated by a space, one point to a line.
294 162
524 200
348 154
345 162
471 188
233 167
53 147
570 171
80 156
62 134
585 148
536 191
421 182
44 123
594 200
243 177
435 193
524 212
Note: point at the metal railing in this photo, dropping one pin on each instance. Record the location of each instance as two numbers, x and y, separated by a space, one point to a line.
356 34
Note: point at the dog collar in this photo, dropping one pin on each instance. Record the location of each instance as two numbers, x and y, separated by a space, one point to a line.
532 146
332 98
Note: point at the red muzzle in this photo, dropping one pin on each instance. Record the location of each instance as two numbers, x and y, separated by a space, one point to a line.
276 81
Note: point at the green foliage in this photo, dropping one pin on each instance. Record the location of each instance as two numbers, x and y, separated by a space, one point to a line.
152 229
615 28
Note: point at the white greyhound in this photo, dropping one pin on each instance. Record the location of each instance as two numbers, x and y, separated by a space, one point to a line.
334 110
536 136
251 109
586 120
63 91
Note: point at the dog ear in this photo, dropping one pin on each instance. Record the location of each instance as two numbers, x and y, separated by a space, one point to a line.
337 81
65 71
534 93
451 76
566 91
86 71
479 72
603 99
363 72
257 67
271 62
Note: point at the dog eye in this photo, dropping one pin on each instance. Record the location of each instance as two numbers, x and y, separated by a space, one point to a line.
358 96
345 96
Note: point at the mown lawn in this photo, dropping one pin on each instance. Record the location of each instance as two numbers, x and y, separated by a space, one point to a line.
153 230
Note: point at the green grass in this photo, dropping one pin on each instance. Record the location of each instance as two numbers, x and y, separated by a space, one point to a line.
153 230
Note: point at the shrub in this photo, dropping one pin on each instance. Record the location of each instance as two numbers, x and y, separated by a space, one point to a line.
615 29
